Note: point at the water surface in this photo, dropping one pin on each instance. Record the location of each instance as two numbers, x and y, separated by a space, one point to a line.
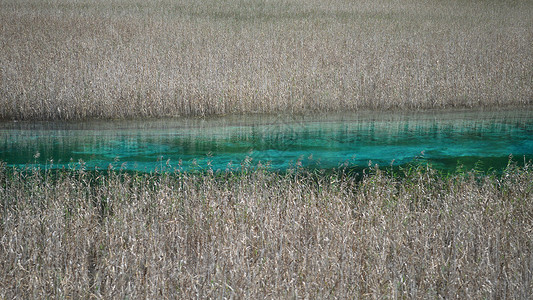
445 139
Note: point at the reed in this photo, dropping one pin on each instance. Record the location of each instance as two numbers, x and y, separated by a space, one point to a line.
69 59
258 234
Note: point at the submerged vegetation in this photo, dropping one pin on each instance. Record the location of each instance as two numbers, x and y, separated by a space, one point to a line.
402 233
259 234
69 59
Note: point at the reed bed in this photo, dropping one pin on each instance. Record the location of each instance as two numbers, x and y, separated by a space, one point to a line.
70 59
259 234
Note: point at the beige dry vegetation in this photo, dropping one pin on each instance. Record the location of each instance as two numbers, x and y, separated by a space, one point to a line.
262 235
76 234
69 59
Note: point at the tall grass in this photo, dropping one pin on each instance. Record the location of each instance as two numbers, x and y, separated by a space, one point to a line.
68 59
258 234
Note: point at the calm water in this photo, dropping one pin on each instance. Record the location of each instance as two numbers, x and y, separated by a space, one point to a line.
446 140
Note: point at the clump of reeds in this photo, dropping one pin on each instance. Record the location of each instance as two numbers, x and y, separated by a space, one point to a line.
259 234
68 59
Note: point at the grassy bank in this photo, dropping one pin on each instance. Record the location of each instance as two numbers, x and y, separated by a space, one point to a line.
265 235
68 59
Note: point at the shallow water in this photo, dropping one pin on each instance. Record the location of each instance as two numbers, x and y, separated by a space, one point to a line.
445 139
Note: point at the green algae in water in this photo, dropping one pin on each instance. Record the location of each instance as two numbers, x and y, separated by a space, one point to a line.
444 139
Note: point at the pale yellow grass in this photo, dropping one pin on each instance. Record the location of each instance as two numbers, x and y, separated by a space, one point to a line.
266 236
70 59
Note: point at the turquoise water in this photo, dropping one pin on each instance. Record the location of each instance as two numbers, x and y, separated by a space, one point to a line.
445 139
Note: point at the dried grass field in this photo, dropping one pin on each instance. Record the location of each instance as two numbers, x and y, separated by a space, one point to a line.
71 59
258 234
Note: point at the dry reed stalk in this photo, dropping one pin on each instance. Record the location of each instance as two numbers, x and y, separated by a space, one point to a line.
264 235
67 59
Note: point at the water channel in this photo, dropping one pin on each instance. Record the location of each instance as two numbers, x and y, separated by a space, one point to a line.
447 140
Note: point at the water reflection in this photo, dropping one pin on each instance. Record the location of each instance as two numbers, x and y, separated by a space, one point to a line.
444 139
